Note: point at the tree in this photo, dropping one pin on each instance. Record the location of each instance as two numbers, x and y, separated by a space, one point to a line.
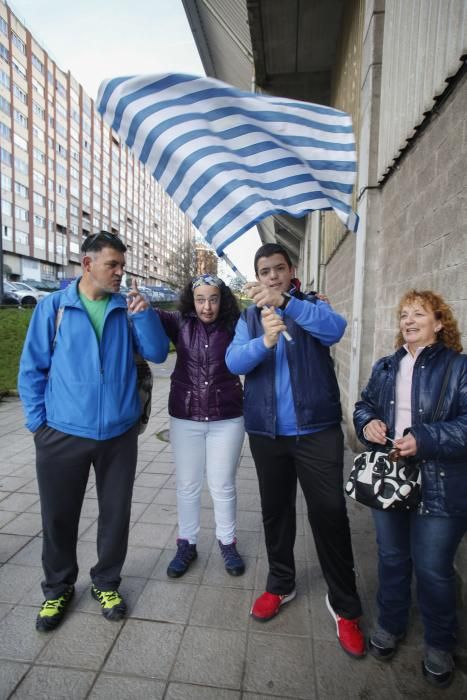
182 264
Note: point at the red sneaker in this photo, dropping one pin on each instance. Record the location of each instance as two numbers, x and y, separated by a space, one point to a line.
268 605
349 634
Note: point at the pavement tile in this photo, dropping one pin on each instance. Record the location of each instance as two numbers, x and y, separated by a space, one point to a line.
145 649
13 483
10 675
24 524
18 502
225 608
160 513
15 581
19 640
30 555
152 480
109 687
130 588
54 684
281 666
165 602
149 535
144 494
183 691
140 561
211 657
81 641
293 618
10 545
216 575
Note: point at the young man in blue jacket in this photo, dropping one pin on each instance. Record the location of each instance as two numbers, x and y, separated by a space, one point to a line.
292 415
77 382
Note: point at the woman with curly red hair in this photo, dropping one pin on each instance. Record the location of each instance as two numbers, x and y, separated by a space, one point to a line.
397 406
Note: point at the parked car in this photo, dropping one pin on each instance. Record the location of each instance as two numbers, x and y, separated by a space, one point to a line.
27 295
9 299
43 285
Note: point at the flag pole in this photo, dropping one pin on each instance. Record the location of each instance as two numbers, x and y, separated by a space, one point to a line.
234 269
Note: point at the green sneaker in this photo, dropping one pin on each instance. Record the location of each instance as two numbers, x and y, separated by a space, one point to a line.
52 611
112 604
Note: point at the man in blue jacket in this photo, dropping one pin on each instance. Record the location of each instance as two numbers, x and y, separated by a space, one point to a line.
77 382
292 415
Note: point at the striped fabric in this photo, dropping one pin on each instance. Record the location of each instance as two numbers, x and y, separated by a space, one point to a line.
230 158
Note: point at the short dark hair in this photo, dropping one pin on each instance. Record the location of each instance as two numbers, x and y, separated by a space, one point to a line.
269 249
103 239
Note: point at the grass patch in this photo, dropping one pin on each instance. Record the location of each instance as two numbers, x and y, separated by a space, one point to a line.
13 326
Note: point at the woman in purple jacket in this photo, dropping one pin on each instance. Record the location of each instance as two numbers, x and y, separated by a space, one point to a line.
206 417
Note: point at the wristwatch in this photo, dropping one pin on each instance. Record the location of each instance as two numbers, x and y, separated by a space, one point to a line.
287 297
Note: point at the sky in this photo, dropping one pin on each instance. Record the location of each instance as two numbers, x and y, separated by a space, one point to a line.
100 39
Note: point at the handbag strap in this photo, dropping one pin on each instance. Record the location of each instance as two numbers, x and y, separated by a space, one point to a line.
442 393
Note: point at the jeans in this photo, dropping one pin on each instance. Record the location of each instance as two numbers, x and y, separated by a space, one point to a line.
214 447
316 461
427 544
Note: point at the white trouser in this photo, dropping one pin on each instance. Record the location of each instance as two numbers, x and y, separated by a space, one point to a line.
214 446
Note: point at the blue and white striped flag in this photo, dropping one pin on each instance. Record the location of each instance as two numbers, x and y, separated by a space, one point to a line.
230 158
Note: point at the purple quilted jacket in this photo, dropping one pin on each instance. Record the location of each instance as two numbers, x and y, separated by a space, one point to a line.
202 388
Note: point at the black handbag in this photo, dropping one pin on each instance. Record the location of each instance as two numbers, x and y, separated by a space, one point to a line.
385 482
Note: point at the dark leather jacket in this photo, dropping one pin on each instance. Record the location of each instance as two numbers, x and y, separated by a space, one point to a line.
202 388
441 446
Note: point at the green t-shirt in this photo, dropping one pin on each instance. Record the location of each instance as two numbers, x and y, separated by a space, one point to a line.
96 312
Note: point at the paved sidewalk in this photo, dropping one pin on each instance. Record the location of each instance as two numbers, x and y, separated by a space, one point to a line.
191 638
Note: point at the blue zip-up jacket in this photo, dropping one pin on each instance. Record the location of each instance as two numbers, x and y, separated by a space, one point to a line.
78 385
441 446
290 389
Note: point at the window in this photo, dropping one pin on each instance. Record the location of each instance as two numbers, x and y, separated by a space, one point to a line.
20 118
4 53
38 199
60 88
38 155
5 131
3 26
61 211
39 221
21 214
20 94
60 109
38 133
6 183
6 207
38 177
61 150
4 105
37 87
21 190
21 166
60 169
19 43
4 79
37 109
61 129
20 142
37 63
22 238
19 68
7 233
61 190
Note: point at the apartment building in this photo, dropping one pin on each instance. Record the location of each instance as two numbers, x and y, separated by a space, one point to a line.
206 260
65 174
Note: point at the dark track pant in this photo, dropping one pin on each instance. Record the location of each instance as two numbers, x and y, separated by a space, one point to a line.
63 463
317 461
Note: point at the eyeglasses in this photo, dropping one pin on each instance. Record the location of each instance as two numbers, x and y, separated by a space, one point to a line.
97 237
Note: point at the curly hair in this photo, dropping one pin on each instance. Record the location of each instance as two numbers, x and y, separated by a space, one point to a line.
229 311
449 335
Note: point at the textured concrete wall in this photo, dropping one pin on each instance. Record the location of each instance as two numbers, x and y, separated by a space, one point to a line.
423 236
338 285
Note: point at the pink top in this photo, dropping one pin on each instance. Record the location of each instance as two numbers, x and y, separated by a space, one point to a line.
404 391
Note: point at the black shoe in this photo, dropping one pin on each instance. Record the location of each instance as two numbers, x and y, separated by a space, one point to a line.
186 553
383 645
52 611
438 667
234 564
112 604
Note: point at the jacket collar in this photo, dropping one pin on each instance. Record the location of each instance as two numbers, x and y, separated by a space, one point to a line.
70 297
